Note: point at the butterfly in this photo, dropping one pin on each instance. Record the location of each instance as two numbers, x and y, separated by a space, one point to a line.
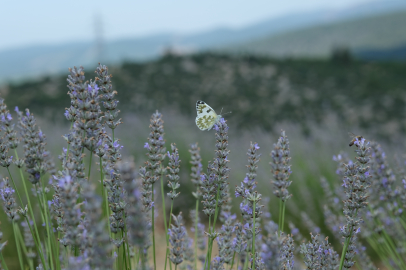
206 117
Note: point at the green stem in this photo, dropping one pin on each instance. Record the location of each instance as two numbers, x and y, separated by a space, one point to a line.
214 226
137 258
245 262
232 262
253 237
378 250
15 187
153 228
47 224
196 219
392 247
167 236
166 225
117 260
217 209
37 243
3 262
67 151
20 259
208 247
124 250
39 248
128 246
142 258
280 218
346 243
283 215
90 165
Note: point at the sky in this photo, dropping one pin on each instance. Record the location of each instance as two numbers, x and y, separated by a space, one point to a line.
26 22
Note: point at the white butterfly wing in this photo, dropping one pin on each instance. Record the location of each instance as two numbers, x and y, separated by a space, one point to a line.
206 116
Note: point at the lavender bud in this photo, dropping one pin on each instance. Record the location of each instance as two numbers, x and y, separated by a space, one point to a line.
196 162
137 223
9 203
173 168
310 252
225 241
280 167
177 234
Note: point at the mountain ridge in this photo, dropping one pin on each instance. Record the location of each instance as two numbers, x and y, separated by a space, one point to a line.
38 60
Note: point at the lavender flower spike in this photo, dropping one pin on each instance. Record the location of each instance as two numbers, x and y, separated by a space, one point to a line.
280 167
177 234
356 190
173 168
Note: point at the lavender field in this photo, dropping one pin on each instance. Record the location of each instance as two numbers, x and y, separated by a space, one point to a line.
102 189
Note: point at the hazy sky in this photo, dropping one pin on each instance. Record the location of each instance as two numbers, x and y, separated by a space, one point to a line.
28 22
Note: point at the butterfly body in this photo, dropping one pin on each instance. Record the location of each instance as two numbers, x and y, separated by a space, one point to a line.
206 117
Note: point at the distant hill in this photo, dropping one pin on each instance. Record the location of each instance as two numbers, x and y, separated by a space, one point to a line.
379 32
392 54
261 92
32 61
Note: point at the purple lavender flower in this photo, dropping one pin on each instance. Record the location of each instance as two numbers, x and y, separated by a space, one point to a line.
173 169
196 169
7 195
177 234
280 167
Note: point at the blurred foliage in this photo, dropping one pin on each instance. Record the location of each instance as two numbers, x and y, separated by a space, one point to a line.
259 91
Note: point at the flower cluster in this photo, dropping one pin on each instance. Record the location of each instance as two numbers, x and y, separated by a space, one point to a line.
9 140
225 240
84 110
198 229
153 169
9 203
286 253
270 247
383 180
196 169
280 167
95 241
214 183
356 183
66 209
108 97
34 147
173 168
136 221
177 234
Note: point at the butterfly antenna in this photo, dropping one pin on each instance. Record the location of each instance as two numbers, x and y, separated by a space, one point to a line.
221 111
227 112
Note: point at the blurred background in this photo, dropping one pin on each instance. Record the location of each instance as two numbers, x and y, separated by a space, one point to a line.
317 69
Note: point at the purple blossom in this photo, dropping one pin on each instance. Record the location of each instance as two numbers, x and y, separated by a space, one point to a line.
6 193
256 146
345 184
146 145
246 208
117 145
